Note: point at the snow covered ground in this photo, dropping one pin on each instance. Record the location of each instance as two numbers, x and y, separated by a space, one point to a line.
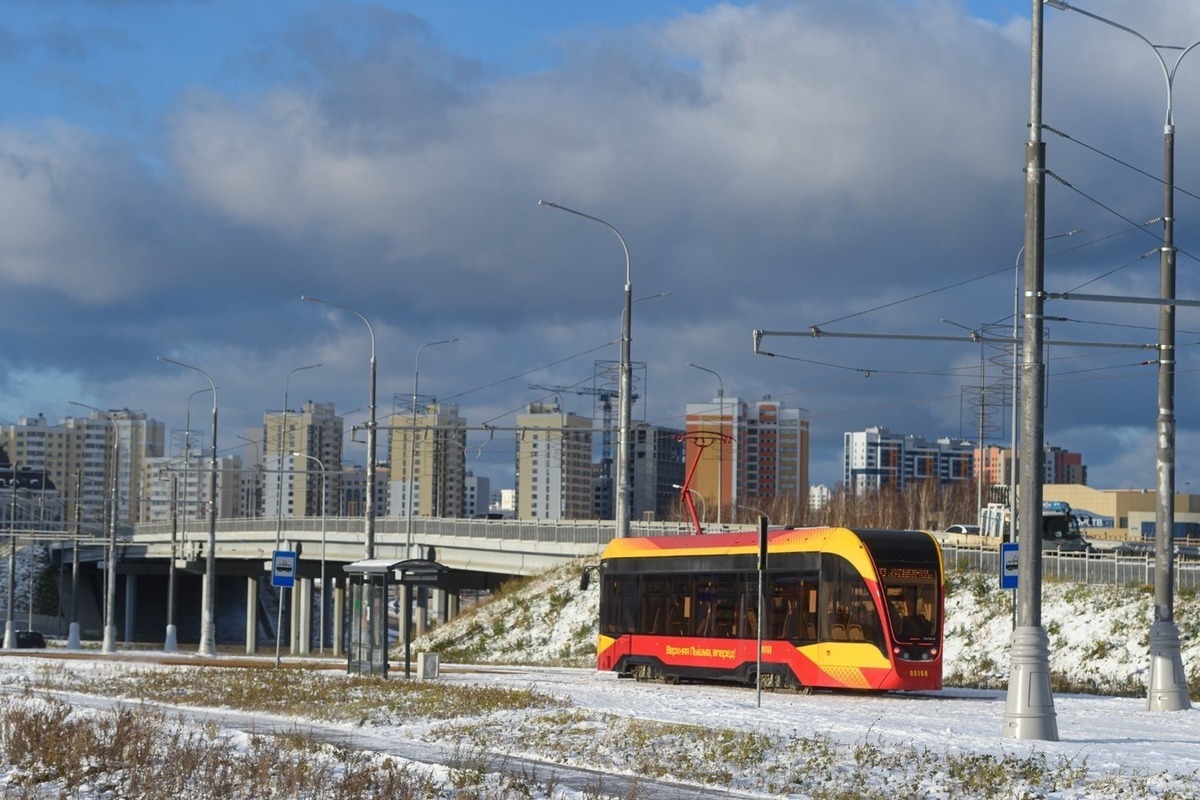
722 743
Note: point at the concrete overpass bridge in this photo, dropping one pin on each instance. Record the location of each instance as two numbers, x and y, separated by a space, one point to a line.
479 554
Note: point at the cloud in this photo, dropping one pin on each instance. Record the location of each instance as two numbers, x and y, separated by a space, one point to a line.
855 165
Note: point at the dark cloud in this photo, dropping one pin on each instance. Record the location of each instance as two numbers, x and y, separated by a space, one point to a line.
855 165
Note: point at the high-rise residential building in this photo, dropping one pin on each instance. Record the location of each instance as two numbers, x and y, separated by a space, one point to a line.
477 493
554 464
876 458
352 489
292 484
1063 466
428 462
77 456
657 466
994 464
747 454
29 500
1059 466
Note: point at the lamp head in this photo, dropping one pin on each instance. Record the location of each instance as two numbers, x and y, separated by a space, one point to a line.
1059 4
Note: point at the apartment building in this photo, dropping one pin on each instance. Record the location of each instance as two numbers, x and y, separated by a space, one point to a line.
428 462
876 458
554 473
301 452
747 453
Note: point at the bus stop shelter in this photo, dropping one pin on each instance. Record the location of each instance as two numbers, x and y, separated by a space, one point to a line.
369 584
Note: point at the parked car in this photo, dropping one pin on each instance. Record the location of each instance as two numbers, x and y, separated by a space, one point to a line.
30 639
963 529
1133 549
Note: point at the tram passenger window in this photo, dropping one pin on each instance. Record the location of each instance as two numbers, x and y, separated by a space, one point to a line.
653 602
847 603
725 613
706 604
622 602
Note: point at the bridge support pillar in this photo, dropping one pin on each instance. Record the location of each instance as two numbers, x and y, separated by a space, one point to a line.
447 605
339 614
251 616
130 605
405 593
422 615
304 629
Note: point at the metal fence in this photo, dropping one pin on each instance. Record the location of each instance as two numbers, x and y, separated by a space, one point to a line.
1094 568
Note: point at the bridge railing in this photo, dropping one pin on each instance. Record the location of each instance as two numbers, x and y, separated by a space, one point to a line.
392 530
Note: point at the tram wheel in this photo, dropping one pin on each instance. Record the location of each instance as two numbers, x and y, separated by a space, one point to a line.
670 679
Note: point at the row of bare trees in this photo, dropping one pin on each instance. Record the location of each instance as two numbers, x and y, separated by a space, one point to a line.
925 505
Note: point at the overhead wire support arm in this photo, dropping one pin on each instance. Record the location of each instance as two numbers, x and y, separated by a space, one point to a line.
973 337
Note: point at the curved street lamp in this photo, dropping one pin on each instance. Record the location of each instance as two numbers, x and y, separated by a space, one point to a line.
1168 688
626 381
369 505
110 585
413 493
208 625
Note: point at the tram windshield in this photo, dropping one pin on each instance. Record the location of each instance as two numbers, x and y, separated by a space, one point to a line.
909 573
912 600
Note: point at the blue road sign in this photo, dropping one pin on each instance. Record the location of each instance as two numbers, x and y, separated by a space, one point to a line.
283 569
1008 565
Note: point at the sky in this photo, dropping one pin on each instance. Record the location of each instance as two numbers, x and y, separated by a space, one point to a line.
175 175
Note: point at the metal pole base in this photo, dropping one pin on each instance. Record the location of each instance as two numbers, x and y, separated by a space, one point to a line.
73 636
110 639
10 635
172 642
208 640
1168 683
1029 710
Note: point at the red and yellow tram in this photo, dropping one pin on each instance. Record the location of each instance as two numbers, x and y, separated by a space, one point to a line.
840 608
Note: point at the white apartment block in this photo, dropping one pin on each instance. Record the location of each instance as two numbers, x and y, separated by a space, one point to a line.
876 458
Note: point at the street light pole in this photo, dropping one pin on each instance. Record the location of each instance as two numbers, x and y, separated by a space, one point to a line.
369 504
410 478
10 626
282 447
208 625
110 592
1029 706
1012 452
721 440
1168 688
324 503
626 381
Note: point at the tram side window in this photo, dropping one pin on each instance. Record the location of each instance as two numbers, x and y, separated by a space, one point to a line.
679 605
654 605
792 605
716 604
848 610
622 603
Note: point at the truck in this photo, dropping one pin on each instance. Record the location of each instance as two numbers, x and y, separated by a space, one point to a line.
1060 526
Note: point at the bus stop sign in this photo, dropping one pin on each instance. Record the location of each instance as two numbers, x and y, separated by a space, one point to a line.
1008 565
283 569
